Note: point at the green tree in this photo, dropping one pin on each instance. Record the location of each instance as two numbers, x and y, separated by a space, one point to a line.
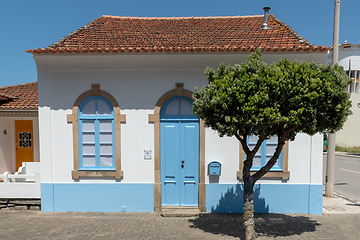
280 100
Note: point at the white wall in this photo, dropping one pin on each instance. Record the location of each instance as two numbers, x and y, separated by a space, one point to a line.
349 135
136 81
7 142
306 159
348 58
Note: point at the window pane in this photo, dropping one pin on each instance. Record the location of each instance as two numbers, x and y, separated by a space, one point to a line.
106 149
272 140
253 139
106 161
173 108
270 149
105 137
103 108
89 108
251 147
105 126
277 161
257 161
89 137
186 108
89 161
88 149
88 126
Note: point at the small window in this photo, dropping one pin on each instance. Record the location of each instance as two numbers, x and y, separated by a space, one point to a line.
96 134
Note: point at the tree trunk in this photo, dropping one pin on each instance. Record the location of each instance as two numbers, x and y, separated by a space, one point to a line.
248 208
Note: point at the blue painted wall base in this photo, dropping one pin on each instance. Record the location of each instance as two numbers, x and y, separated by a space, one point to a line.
119 197
268 198
97 197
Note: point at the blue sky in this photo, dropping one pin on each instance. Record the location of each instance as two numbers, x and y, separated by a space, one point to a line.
28 24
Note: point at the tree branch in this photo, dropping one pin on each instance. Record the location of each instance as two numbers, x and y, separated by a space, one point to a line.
281 142
265 169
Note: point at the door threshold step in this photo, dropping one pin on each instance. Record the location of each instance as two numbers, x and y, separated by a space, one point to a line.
180 212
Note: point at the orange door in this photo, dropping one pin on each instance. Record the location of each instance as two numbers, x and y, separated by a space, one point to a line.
24 142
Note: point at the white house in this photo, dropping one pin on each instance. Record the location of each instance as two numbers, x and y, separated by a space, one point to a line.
117 131
349 59
19 142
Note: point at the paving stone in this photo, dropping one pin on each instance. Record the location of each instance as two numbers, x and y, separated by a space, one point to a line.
77 225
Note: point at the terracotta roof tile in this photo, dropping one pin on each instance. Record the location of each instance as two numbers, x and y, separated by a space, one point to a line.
19 97
193 34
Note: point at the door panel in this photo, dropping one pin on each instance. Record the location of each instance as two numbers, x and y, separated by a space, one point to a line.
24 142
179 141
170 151
190 171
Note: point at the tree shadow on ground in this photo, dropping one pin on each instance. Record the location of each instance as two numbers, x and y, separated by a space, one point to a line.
267 224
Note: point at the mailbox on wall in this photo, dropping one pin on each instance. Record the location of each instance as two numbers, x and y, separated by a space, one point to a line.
214 168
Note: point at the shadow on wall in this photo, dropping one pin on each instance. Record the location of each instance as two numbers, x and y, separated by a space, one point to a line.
268 225
232 200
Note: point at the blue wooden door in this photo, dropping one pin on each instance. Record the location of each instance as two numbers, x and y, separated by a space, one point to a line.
179 155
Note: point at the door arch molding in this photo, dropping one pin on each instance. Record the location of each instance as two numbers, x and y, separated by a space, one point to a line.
155 119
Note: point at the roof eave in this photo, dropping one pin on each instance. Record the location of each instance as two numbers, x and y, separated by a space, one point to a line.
313 48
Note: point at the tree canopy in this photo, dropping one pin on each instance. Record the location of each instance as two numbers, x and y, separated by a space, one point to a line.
256 99
280 99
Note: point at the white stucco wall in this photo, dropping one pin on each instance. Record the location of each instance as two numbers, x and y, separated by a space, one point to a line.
137 81
349 135
7 142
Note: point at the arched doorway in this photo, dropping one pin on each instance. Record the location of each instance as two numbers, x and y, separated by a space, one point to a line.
155 119
179 150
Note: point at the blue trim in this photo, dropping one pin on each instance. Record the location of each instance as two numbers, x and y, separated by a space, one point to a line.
97 197
268 198
96 118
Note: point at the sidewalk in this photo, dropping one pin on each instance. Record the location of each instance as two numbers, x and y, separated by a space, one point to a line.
340 220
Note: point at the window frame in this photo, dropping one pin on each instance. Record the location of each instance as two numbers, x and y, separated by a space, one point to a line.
284 174
119 118
96 119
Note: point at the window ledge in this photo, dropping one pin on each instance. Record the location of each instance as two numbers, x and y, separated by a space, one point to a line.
118 174
272 174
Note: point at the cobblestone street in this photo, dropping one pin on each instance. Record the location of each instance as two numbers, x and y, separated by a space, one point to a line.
74 225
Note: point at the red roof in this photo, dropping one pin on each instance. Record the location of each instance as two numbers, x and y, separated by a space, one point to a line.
193 34
19 97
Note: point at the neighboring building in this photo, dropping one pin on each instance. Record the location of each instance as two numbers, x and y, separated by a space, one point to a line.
349 58
117 131
19 126
19 145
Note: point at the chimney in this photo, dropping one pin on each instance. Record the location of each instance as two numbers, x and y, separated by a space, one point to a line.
266 15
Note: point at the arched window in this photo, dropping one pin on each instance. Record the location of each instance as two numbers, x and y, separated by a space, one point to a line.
96 134
178 108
